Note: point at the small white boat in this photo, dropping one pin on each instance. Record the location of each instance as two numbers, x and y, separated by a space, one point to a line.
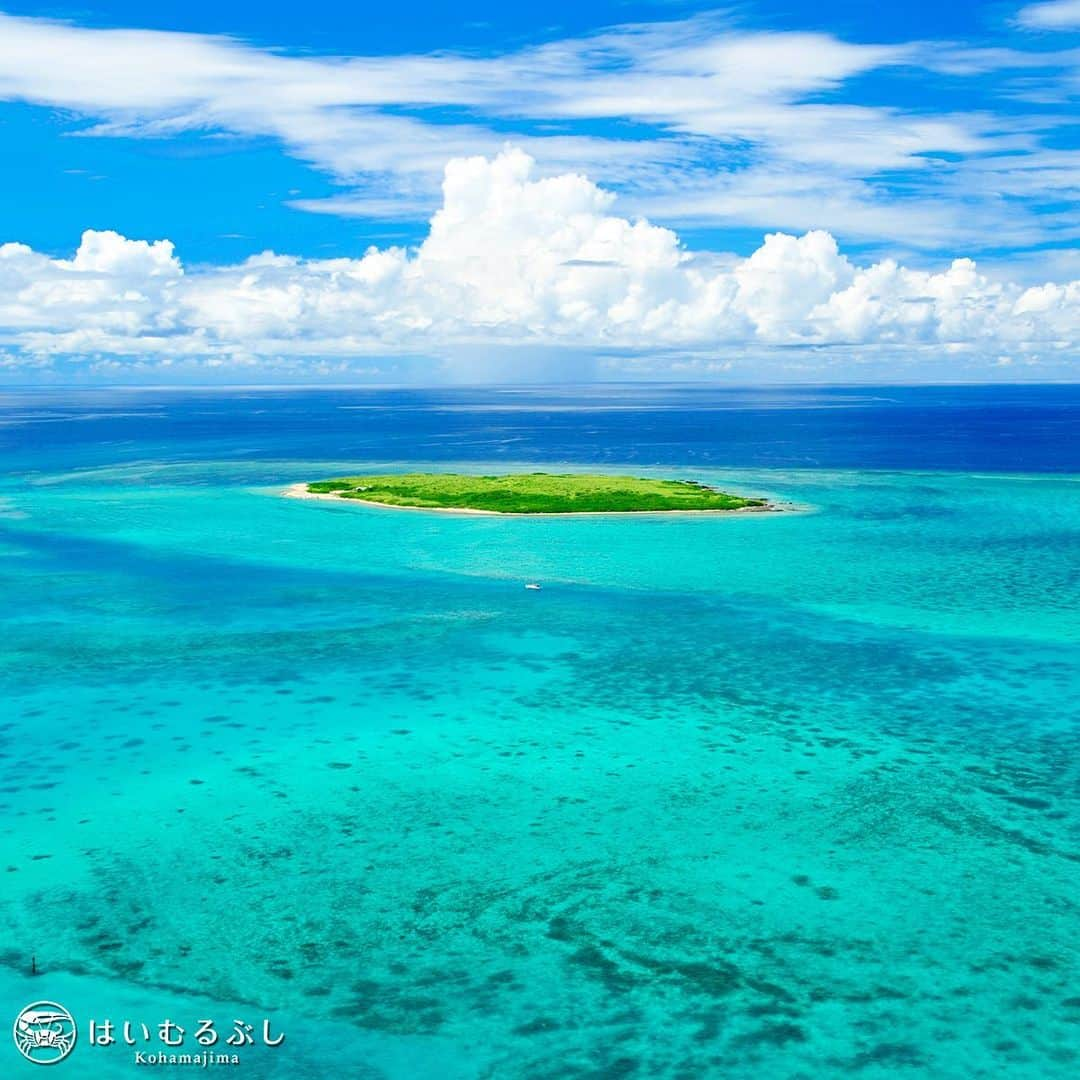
532 585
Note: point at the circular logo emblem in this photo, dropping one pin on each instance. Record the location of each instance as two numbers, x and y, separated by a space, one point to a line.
45 1033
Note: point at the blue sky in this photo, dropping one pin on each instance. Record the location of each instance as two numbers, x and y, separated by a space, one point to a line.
913 134
58 185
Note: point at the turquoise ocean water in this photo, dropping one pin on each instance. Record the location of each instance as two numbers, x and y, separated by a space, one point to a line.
789 796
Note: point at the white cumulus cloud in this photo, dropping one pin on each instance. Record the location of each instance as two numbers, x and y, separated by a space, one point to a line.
516 259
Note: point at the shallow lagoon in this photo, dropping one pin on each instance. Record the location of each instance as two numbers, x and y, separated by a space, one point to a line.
782 796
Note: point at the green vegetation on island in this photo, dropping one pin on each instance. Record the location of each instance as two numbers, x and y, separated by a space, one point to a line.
534 493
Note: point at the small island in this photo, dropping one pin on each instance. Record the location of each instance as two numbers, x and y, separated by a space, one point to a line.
531 493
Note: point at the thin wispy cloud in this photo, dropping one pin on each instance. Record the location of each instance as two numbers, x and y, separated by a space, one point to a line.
748 128
1052 15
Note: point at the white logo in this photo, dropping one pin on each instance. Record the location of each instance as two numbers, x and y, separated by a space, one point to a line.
45 1033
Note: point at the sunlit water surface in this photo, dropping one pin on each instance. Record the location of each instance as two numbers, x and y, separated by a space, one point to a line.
771 796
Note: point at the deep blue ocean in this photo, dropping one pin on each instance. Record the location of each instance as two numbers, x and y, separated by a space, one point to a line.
1000 429
788 796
